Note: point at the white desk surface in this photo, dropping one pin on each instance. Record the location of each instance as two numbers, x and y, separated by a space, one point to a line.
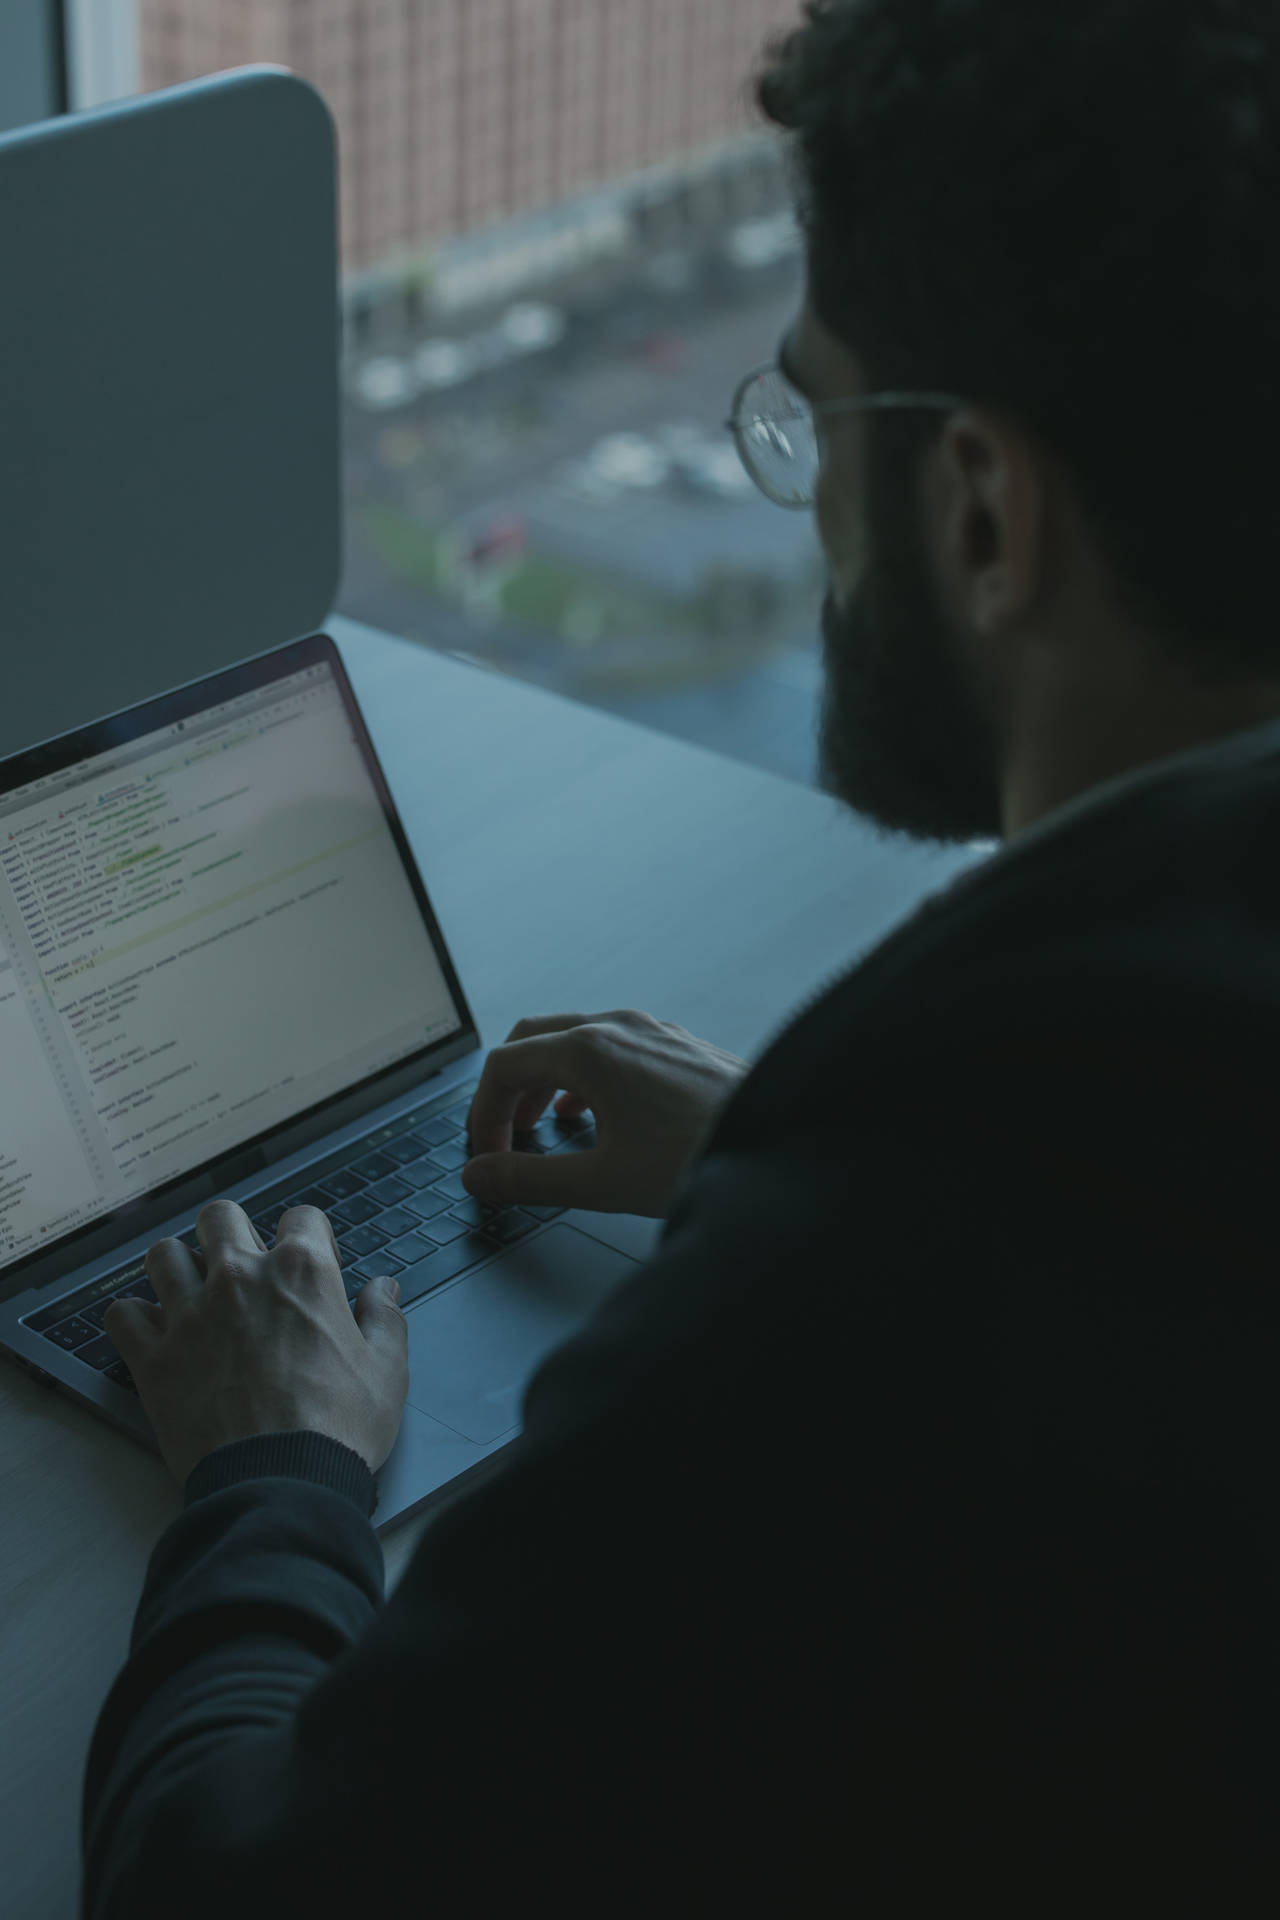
576 863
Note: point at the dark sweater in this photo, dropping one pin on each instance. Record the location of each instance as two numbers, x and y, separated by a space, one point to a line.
903 1531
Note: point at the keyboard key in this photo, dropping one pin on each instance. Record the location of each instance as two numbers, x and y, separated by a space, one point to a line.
473 1213
420 1173
552 1133
72 1333
412 1246
139 1290
121 1375
309 1197
94 1315
445 1227
373 1166
450 1156
373 1264
425 1206
342 1183
396 1220
543 1213
432 1132
70 1303
100 1353
358 1241
444 1265
387 1192
511 1225
403 1148
452 1185
355 1211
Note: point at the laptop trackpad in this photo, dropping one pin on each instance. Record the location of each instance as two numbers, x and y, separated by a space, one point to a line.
474 1346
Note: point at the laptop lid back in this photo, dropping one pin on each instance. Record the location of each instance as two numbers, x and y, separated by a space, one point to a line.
170 476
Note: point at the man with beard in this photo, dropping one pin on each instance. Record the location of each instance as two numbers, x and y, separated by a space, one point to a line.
901 1538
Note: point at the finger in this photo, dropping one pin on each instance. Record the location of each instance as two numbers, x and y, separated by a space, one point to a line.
173 1270
378 1316
223 1226
311 1228
519 1078
535 1179
133 1328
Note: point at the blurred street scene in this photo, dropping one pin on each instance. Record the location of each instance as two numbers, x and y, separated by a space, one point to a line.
564 238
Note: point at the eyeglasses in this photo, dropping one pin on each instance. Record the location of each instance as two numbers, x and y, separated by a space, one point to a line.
773 426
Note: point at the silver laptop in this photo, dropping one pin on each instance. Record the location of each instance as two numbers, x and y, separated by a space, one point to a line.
220 974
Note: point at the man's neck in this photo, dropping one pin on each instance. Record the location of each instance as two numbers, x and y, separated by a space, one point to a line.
1111 740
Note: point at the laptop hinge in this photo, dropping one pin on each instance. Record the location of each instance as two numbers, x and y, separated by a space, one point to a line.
233 1171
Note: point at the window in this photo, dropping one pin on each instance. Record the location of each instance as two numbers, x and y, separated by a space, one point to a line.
562 241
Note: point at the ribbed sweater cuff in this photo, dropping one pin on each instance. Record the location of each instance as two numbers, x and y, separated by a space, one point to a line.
297 1455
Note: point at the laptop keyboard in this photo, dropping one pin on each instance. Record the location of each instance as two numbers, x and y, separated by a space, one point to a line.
398 1208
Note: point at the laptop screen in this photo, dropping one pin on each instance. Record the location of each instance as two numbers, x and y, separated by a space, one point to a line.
206 930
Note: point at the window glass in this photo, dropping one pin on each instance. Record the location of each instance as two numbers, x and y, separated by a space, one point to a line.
564 238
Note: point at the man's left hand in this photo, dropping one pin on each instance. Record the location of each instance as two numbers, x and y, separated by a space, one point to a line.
246 1342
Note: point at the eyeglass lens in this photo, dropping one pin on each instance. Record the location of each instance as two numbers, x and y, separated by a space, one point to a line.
778 440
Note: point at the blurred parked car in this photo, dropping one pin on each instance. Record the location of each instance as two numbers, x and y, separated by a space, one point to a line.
383 382
531 327
717 470
629 460
680 436
708 461
443 363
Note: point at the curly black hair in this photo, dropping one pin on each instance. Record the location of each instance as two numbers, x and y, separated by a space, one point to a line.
1069 210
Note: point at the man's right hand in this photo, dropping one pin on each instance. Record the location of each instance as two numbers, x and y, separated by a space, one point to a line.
655 1091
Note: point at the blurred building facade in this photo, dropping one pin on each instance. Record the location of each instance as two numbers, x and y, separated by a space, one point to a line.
459 117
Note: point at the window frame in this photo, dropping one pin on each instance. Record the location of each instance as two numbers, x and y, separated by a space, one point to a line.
32 61
100 51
